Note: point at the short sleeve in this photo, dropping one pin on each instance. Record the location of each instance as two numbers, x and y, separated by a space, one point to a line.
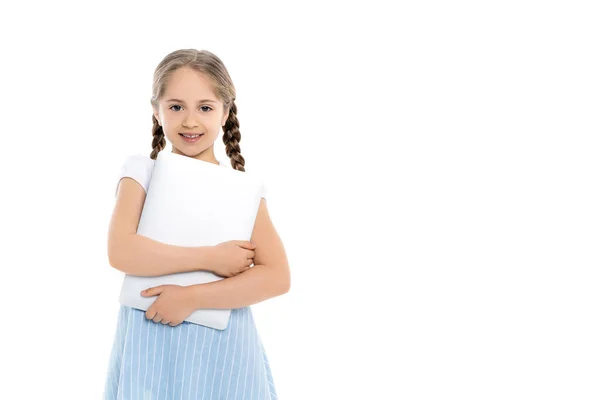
263 191
139 167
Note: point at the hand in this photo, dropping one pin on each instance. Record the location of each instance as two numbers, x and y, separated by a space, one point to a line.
171 307
232 257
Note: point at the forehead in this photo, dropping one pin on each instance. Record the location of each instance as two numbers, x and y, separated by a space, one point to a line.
189 85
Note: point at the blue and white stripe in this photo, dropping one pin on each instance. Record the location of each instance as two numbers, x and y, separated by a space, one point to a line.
152 361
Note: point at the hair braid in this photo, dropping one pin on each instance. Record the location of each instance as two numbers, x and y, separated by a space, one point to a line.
158 138
232 138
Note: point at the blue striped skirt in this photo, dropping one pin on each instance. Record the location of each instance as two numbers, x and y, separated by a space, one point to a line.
152 361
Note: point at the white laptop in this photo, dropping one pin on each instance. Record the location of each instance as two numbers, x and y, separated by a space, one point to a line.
191 202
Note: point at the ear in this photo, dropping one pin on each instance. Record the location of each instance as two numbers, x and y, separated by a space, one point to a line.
156 116
225 117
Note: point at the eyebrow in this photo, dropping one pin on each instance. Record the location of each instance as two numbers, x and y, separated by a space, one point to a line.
199 101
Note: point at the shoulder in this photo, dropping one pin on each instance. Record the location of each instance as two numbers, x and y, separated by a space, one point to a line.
139 162
140 159
138 167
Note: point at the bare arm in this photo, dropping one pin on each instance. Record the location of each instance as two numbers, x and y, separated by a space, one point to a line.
269 277
257 284
139 255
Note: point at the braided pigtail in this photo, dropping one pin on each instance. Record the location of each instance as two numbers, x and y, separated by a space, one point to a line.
232 138
158 138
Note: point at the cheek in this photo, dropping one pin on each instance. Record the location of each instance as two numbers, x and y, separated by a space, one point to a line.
171 124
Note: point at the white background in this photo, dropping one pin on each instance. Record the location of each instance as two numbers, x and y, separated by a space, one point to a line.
432 170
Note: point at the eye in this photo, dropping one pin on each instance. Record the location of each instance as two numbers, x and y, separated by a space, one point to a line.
177 105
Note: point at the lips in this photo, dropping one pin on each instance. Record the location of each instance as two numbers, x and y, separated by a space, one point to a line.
192 139
191 134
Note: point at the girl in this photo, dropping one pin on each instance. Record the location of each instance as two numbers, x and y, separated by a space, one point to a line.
156 354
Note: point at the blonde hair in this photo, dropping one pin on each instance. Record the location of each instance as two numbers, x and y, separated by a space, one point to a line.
213 68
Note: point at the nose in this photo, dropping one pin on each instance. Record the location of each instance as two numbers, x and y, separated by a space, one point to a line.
190 120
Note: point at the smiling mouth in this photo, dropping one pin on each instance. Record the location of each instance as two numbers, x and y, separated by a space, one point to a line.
192 139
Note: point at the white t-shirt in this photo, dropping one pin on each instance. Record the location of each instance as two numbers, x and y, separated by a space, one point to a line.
140 166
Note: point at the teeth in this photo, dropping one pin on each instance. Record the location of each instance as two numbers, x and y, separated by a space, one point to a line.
191 137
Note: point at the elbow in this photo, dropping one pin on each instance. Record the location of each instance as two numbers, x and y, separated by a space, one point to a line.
116 263
116 258
279 281
124 265
285 281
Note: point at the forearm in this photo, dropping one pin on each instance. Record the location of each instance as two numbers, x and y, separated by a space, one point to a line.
142 256
257 284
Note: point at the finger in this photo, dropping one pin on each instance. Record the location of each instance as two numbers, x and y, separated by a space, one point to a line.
150 313
249 262
250 254
153 291
246 244
164 322
157 318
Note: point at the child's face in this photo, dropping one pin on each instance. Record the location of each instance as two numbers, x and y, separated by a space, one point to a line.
195 110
